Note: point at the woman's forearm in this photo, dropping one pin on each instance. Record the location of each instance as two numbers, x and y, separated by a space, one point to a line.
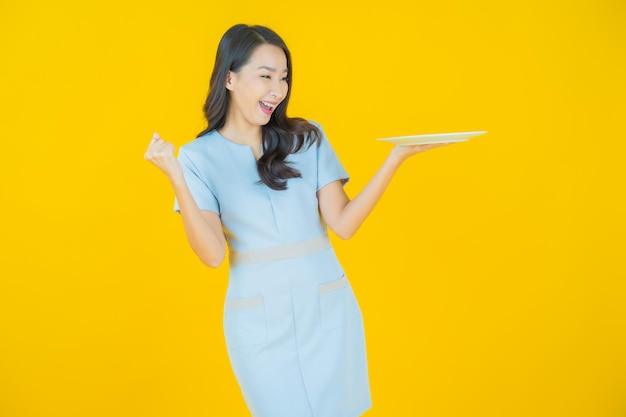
345 216
203 228
349 216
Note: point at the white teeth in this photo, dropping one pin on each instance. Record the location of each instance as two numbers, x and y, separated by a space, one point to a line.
267 105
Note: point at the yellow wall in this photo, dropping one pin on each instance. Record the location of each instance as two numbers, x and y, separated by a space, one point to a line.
491 276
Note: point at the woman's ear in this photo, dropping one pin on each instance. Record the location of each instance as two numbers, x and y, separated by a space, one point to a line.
229 80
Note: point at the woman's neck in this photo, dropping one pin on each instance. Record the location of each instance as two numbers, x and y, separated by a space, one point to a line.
242 133
251 137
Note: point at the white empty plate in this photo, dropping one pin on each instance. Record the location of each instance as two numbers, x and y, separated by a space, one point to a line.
432 138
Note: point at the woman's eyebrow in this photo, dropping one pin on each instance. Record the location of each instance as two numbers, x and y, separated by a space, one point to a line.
270 68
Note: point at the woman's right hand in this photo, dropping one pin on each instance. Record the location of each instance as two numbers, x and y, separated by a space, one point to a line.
161 154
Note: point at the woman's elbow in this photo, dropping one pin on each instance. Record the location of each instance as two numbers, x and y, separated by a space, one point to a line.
344 234
212 261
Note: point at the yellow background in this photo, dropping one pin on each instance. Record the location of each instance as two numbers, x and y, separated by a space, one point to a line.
491 275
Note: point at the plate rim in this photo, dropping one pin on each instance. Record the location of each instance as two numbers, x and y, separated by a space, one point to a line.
424 135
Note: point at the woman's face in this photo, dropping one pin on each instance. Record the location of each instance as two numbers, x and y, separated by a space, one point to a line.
259 86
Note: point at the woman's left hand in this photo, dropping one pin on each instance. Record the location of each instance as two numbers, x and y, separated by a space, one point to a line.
401 153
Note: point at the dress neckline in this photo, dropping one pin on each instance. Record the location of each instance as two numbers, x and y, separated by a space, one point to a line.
240 145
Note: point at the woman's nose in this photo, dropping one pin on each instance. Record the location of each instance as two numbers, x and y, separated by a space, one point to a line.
278 90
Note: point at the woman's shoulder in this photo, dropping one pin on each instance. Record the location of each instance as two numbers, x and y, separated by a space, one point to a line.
314 133
201 144
317 127
314 123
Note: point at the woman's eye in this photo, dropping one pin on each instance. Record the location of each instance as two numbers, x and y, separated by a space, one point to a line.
266 76
286 79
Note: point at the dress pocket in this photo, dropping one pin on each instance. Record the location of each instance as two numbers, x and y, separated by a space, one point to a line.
244 322
334 299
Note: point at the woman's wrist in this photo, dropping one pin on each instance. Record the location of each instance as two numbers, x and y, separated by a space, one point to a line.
395 158
177 180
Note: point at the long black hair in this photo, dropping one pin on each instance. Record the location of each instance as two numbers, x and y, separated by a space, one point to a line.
282 135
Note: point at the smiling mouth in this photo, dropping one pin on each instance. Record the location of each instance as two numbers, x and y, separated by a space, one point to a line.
267 106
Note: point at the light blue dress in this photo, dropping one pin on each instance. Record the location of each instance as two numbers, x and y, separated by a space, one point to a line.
293 328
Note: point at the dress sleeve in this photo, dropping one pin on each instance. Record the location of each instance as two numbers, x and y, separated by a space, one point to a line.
197 184
329 168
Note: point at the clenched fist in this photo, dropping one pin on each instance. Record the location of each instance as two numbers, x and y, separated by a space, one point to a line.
161 154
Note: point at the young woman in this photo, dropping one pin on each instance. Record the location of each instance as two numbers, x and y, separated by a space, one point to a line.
267 187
